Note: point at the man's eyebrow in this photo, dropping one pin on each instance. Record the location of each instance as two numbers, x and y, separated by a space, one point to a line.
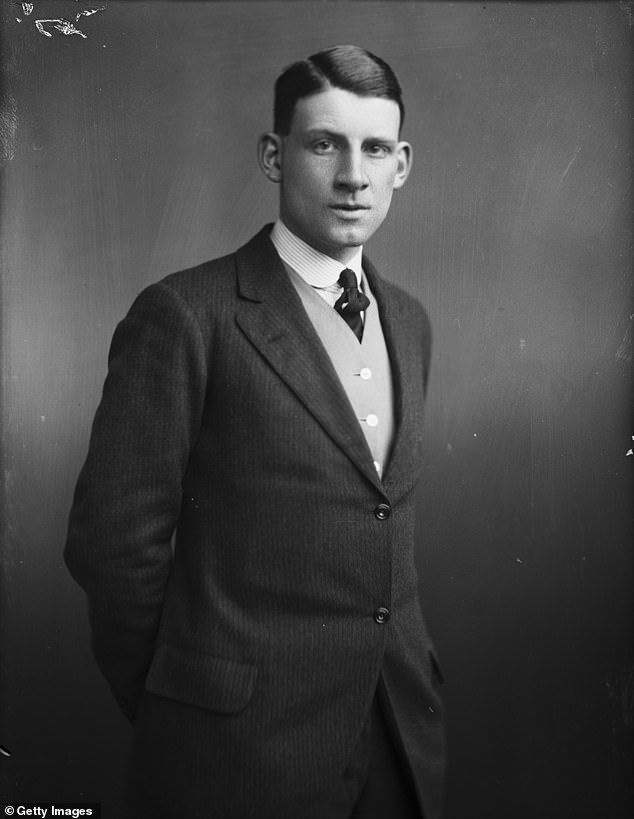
324 132
315 133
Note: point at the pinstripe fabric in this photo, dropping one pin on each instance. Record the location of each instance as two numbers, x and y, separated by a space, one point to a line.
249 661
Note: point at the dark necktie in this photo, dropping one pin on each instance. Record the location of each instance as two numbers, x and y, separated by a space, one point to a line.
351 302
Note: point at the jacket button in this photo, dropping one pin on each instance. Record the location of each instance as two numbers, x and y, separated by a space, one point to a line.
382 615
382 511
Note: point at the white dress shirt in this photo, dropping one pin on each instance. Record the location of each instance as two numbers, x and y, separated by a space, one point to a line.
321 272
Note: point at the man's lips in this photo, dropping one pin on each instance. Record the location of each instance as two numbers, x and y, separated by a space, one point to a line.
350 208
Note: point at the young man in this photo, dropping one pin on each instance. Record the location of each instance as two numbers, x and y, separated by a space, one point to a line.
267 407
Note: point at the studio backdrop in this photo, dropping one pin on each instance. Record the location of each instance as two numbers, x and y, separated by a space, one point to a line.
128 134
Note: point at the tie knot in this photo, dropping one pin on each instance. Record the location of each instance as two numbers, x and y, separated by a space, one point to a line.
348 279
352 302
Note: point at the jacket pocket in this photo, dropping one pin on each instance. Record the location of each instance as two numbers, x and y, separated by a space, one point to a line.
214 683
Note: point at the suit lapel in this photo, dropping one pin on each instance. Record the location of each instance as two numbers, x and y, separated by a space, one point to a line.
271 315
407 374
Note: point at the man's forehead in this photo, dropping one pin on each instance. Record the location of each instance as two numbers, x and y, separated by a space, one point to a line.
340 111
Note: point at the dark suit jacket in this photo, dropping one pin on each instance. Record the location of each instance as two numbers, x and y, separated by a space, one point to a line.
249 654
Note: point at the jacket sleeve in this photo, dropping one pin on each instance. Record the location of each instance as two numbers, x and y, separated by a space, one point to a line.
128 495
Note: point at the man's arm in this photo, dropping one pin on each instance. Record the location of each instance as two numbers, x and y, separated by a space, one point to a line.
128 495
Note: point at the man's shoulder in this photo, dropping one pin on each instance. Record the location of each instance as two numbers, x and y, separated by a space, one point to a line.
206 276
211 279
407 305
401 296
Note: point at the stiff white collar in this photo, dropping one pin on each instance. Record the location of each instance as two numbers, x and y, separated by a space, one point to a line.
317 269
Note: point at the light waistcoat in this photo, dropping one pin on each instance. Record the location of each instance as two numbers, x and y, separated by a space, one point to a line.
363 368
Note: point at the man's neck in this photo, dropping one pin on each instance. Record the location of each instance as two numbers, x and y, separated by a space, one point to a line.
316 268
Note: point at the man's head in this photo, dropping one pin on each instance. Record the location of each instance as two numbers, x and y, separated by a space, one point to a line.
335 149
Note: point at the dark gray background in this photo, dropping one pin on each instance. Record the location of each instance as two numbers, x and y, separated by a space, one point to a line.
131 153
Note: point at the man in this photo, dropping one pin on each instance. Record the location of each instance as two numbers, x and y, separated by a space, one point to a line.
275 663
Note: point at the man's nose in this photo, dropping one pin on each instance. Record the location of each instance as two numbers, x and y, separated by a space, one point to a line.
351 173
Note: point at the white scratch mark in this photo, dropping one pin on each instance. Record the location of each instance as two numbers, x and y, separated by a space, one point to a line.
59 24
27 8
64 26
572 159
89 12
519 560
629 452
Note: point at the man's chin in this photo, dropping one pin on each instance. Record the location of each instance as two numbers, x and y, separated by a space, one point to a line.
342 250
351 237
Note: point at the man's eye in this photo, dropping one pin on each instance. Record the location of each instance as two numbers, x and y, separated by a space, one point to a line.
378 150
323 146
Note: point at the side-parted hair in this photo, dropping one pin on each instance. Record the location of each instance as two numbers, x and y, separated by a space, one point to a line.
347 67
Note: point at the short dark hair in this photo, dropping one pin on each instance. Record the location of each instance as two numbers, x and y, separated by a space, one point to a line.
344 66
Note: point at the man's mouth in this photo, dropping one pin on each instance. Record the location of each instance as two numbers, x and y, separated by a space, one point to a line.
354 208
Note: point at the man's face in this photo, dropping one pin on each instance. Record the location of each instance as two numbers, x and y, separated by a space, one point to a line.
337 168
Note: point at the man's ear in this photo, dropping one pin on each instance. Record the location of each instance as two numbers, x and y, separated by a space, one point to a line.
270 156
404 166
